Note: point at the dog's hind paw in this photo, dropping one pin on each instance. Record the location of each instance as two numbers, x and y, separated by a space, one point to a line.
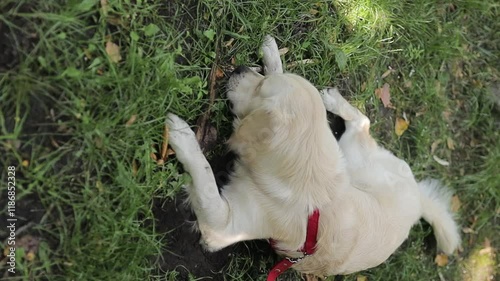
332 100
181 138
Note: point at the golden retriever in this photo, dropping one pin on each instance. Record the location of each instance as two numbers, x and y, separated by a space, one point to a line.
290 164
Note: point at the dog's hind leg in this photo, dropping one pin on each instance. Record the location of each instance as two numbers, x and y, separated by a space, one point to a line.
272 60
335 103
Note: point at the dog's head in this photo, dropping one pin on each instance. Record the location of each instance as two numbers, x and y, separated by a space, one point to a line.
290 94
272 108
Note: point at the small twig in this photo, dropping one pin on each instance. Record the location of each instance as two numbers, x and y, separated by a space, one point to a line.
164 145
202 129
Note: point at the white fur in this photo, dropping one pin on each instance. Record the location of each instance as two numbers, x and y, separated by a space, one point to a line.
290 164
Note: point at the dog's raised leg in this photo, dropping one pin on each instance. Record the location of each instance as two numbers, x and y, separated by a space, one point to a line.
210 208
356 142
272 60
335 103
223 219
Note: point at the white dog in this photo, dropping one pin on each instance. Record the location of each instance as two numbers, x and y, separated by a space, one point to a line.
290 166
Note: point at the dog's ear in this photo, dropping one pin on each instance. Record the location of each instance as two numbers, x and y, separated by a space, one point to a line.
253 134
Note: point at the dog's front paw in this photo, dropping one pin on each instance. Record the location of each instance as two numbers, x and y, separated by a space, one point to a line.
272 60
181 138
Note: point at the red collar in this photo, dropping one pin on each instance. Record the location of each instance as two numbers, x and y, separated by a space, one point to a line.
308 249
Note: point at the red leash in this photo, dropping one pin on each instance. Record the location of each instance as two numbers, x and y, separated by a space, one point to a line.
308 249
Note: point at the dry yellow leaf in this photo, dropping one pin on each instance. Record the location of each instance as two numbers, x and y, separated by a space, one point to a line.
450 143
30 256
401 126
113 52
153 156
387 73
164 145
361 278
131 120
468 230
135 167
283 51
455 203
441 260
435 145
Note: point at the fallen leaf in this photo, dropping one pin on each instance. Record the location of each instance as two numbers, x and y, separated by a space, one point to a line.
313 11
363 86
387 73
153 156
113 52
283 51
361 278
229 43
30 245
384 95
441 260
114 20
455 203
450 143
135 167
401 126
435 145
131 120
441 162
30 256
219 73
164 145
468 230
446 115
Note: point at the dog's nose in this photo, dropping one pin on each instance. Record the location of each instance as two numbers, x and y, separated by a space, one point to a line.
240 69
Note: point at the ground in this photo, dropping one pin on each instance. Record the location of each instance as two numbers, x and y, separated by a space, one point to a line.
85 86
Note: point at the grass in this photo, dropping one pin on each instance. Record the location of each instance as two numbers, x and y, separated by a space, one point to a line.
65 104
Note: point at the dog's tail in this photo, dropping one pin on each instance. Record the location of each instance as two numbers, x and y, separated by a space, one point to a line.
436 210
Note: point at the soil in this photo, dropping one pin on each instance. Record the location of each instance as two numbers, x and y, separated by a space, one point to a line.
183 252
